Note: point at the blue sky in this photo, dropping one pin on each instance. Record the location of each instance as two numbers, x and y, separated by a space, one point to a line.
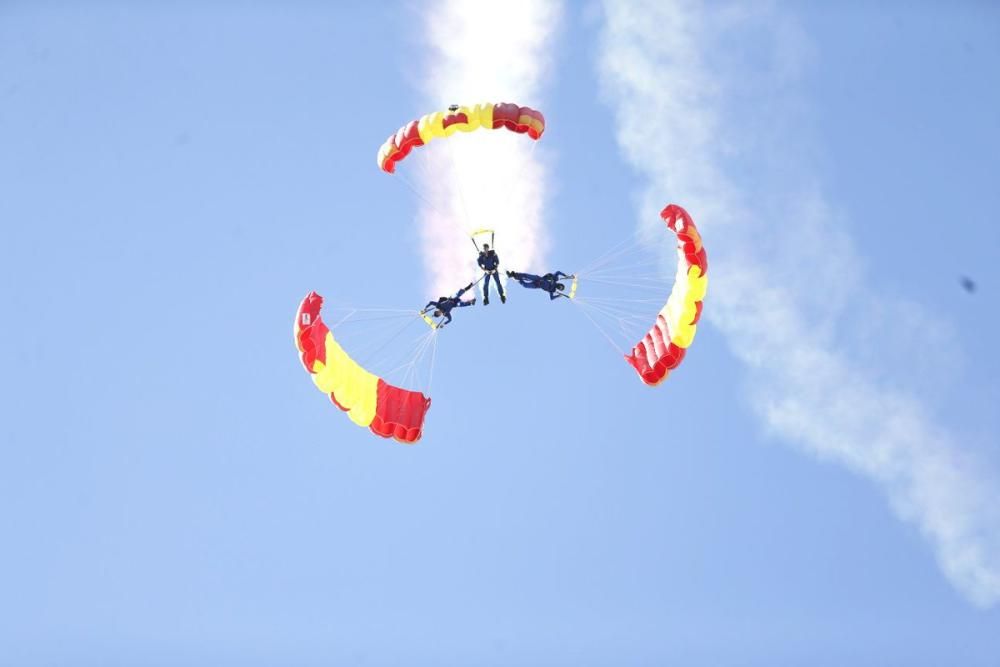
174 491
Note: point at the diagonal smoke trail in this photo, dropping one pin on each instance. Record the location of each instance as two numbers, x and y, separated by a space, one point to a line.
807 389
480 52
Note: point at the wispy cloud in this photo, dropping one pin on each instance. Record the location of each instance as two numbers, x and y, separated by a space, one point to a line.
480 52
673 100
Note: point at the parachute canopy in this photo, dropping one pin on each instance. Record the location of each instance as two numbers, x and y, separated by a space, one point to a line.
663 348
440 124
366 398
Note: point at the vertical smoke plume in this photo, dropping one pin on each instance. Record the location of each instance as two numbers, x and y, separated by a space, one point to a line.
483 52
810 387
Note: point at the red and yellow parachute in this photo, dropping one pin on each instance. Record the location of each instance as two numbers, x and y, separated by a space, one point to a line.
440 124
366 398
663 348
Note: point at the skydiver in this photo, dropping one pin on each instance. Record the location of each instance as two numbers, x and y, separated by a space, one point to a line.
549 282
489 262
443 305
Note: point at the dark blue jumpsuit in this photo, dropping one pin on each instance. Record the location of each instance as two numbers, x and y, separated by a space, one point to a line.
446 304
547 282
489 262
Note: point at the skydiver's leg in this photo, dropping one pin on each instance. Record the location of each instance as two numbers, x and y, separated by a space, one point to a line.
529 280
486 289
499 283
463 304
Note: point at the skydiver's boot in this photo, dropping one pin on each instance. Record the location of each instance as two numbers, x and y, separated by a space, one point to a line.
486 301
503 298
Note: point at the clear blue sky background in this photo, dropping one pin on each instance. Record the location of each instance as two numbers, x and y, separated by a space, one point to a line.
173 489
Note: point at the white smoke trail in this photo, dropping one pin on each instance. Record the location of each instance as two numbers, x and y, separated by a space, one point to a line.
481 52
807 388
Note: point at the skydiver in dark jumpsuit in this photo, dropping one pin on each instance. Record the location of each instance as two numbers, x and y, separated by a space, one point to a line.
443 306
549 282
489 262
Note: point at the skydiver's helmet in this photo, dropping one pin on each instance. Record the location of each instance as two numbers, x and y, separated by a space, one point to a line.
486 247
437 313
560 286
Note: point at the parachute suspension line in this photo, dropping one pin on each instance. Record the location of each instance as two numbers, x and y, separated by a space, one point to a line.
420 195
626 255
416 354
368 361
624 300
430 380
381 318
620 312
343 319
429 341
617 314
637 262
634 259
410 377
583 309
431 346
649 284
627 282
368 329
459 180
401 311
618 273
406 181
352 311
374 337
618 248
362 334
599 300
631 243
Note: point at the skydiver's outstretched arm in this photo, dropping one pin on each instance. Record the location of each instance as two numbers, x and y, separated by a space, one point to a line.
430 304
560 274
555 295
